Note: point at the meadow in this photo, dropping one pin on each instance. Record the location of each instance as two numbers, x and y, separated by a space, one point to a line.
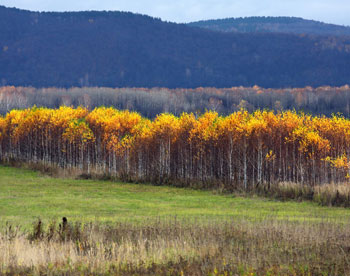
136 229
28 195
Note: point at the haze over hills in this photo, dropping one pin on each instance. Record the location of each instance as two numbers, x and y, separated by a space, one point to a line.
119 49
273 25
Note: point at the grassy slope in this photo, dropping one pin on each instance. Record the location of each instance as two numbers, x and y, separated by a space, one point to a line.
26 195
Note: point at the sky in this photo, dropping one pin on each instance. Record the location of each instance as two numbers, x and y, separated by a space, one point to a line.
182 11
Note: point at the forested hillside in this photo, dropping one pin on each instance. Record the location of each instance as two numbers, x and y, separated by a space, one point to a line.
273 25
118 49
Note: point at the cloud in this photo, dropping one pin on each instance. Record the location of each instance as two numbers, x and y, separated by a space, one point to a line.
332 11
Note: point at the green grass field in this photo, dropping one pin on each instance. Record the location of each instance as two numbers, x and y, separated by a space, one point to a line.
212 234
26 195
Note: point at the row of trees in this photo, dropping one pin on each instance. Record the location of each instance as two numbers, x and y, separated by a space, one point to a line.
240 150
151 102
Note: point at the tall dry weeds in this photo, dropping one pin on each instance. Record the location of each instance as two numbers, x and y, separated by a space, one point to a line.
172 247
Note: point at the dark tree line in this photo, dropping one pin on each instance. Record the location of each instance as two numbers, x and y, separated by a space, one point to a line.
150 102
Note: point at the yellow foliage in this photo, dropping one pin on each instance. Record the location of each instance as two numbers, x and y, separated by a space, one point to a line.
270 156
205 128
78 132
117 131
341 162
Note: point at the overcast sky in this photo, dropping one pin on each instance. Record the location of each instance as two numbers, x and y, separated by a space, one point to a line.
330 11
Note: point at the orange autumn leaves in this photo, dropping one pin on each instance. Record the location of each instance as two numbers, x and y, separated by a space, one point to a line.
261 147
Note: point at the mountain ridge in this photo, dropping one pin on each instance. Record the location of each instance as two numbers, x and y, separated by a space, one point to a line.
281 24
122 49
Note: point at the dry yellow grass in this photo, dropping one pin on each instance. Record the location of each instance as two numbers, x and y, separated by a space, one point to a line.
241 247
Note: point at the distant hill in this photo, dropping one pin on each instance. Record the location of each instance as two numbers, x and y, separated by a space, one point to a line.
293 25
118 49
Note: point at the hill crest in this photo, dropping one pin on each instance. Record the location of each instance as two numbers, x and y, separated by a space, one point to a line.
122 49
266 24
